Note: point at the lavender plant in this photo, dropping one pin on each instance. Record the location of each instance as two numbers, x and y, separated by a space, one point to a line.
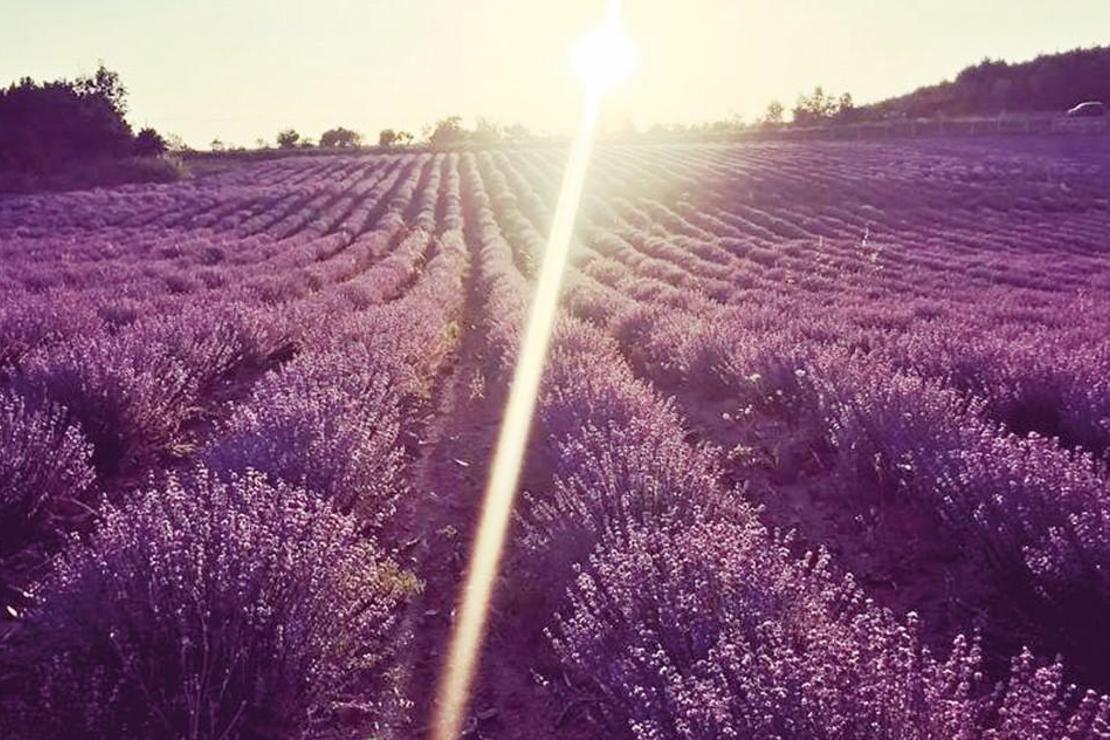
326 422
45 461
208 608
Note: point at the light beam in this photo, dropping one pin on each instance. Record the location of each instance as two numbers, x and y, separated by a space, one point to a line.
603 59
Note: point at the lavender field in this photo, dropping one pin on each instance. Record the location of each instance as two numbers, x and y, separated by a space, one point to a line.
822 447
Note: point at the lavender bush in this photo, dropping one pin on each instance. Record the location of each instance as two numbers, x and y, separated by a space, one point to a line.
45 461
326 422
208 608
712 631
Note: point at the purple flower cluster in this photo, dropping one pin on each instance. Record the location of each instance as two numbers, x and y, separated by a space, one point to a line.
326 422
45 461
134 391
619 455
1038 514
206 608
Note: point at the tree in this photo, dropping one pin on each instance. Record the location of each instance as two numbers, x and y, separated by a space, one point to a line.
288 139
802 113
105 84
1051 82
819 107
45 126
724 125
149 143
486 131
815 107
175 143
388 137
517 131
447 132
340 137
1000 93
217 146
846 109
774 114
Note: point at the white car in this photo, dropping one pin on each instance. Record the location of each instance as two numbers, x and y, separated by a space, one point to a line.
1088 109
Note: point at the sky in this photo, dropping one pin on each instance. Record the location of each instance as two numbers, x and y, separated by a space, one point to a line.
241 70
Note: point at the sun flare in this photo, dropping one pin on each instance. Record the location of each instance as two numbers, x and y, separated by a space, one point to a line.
604 57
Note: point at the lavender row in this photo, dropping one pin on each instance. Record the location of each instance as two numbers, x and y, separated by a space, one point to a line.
257 560
686 596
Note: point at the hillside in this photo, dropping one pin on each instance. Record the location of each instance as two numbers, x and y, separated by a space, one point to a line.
1051 82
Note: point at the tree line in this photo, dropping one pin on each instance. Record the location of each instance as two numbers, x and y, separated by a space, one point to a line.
1048 83
47 126
813 108
446 132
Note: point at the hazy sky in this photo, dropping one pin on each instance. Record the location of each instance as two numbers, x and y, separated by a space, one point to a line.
243 69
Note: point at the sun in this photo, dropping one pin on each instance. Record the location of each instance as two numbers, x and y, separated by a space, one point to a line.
604 57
